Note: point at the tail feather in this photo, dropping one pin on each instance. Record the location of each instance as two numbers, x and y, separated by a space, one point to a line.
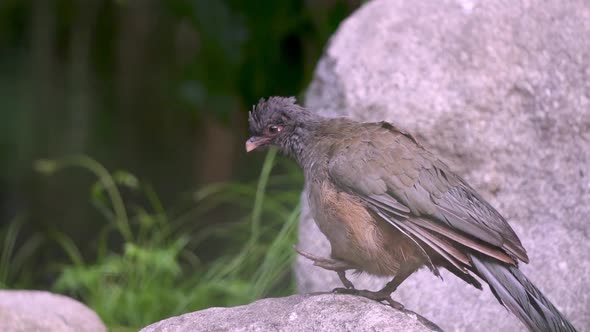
520 296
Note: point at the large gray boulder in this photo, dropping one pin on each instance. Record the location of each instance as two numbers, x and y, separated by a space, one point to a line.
500 90
310 312
29 311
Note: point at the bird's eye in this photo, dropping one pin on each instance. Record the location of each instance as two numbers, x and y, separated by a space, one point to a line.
274 129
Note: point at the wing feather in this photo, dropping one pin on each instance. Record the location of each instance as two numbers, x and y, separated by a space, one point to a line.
419 195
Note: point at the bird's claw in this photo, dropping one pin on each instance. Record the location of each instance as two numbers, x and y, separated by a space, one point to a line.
376 296
394 304
348 290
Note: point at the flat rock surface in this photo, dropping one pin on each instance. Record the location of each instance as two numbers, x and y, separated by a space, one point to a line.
30 311
310 312
501 91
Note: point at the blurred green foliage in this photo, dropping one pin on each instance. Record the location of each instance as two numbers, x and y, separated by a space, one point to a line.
159 88
15 258
162 269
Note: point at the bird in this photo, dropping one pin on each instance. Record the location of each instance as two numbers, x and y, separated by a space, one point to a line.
390 207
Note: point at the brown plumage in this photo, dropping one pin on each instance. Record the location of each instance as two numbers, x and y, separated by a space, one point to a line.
389 207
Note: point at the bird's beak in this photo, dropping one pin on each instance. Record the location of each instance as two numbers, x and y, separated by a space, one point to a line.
254 142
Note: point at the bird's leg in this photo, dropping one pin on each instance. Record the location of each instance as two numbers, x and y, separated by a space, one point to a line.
338 266
383 294
347 283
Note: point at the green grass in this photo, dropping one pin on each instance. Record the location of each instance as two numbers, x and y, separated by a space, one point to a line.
165 266
14 269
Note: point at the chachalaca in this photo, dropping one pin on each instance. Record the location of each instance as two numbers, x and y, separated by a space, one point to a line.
390 207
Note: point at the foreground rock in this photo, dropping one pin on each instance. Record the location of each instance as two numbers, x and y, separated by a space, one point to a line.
312 312
501 90
26 311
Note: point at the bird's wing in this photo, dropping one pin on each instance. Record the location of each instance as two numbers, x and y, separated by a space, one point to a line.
418 194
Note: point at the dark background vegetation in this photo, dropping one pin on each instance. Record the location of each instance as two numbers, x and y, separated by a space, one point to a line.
160 90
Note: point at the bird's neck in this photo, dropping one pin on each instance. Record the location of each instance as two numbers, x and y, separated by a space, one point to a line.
302 142
315 144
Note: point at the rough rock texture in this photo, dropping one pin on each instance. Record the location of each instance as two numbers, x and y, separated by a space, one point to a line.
310 312
501 90
27 311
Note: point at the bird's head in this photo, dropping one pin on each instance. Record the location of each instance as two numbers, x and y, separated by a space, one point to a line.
278 122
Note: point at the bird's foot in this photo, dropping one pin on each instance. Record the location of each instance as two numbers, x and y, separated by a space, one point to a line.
323 262
376 296
338 266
